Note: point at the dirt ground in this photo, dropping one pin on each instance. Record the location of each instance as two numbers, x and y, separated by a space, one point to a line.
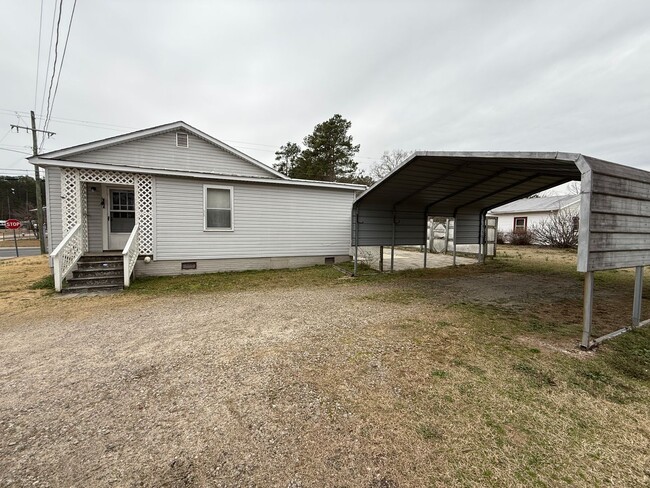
377 383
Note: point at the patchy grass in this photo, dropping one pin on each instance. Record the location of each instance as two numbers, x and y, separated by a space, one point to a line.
443 377
45 283
17 278
237 281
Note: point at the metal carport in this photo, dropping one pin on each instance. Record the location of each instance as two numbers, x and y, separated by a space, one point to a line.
614 210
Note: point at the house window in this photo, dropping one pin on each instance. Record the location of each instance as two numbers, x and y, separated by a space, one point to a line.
218 205
182 139
520 225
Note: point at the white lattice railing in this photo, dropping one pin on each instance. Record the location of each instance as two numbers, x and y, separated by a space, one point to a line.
130 254
67 253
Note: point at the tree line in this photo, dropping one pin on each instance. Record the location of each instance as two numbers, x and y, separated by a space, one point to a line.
18 197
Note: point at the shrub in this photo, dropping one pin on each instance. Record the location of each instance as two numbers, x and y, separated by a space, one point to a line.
559 230
520 238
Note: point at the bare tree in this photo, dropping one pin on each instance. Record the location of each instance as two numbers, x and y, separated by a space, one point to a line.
559 230
574 188
388 162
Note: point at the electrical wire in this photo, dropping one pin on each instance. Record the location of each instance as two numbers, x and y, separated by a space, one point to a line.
38 56
16 170
242 145
13 150
56 55
65 49
49 56
6 134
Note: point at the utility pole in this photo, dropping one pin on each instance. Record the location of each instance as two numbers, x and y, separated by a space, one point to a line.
37 179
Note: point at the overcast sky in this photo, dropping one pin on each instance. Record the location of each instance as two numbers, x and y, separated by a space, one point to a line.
438 75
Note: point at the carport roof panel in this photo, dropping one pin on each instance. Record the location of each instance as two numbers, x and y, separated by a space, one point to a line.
472 174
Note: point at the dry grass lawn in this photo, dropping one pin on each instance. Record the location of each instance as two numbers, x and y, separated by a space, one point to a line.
442 378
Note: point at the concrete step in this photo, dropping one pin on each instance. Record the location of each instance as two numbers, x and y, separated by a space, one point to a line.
92 288
95 281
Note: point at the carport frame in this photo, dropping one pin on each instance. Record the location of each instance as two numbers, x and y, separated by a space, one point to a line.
549 166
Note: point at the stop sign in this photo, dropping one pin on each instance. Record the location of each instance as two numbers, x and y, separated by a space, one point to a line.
12 224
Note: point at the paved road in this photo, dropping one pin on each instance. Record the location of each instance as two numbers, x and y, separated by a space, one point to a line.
10 252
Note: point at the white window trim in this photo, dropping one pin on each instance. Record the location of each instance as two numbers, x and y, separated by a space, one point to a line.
188 139
205 208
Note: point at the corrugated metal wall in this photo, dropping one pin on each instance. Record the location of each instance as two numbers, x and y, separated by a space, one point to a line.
614 217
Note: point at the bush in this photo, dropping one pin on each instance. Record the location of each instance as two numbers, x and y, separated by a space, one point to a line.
520 238
559 230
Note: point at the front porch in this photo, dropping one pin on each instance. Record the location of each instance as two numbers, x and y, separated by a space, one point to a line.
103 212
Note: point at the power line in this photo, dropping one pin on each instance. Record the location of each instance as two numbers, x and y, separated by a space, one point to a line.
245 145
65 49
49 56
17 170
6 134
56 56
38 56
13 150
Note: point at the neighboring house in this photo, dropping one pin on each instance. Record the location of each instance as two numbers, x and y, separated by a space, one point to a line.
520 216
172 200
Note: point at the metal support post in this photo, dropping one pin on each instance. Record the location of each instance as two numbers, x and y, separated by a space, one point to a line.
454 249
392 247
588 302
426 237
381 259
638 295
447 236
480 238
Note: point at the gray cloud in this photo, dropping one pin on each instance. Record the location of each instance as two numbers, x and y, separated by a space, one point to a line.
466 75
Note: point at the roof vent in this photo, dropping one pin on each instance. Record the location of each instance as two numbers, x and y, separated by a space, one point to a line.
182 139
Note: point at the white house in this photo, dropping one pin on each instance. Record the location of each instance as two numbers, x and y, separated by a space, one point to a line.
172 200
520 216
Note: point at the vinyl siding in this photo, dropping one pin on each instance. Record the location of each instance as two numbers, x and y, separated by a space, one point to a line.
269 221
160 152
53 202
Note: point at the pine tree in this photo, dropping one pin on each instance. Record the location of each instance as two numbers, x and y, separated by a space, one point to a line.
328 154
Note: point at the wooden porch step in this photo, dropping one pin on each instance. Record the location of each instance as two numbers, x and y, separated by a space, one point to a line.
100 264
101 256
92 288
96 272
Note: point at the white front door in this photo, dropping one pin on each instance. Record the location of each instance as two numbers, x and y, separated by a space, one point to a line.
121 217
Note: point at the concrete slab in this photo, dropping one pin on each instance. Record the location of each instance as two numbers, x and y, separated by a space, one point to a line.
406 259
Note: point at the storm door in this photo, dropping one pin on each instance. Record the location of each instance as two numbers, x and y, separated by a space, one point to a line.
121 216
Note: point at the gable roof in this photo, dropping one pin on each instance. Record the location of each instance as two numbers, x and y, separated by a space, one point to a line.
152 131
542 204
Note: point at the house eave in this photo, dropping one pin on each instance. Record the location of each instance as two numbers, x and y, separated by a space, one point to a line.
49 162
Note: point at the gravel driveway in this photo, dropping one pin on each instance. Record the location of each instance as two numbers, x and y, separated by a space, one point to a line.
176 391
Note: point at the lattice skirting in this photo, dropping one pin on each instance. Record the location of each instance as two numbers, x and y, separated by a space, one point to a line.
73 193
